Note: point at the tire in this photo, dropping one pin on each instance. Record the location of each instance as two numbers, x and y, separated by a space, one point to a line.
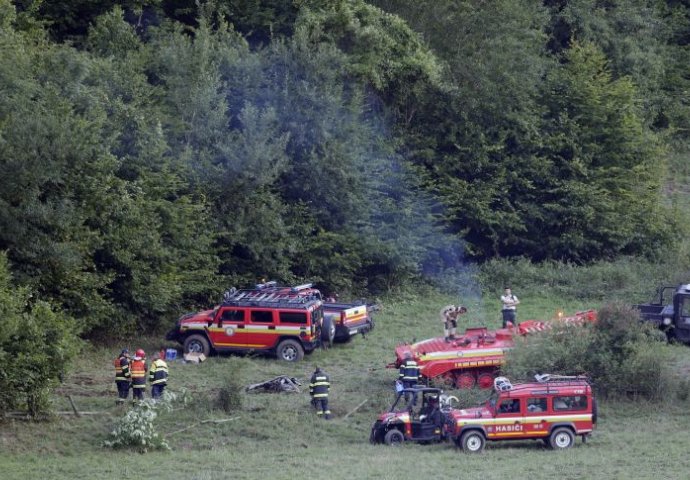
485 381
465 380
394 438
561 438
472 442
327 332
290 351
197 344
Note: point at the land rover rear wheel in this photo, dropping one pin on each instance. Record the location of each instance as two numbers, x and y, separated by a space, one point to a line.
197 344
394 437
472 442
561 438
290 351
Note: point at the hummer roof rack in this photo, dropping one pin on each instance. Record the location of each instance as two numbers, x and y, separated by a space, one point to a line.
254 298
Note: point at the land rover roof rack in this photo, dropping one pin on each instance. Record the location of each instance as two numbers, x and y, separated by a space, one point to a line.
549 378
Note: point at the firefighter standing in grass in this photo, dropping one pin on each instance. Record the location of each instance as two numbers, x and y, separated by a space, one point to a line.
158 376
409 375
318 389
449 317
122 375
138 370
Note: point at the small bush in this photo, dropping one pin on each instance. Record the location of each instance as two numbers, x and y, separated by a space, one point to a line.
136 428
230 397
621 355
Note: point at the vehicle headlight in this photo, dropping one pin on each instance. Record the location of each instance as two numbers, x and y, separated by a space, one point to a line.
667 321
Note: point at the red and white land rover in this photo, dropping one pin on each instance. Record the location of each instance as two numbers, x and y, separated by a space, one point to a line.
554 409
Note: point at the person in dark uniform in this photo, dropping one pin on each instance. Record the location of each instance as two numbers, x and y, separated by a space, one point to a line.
318 389
123 376
409 375
158 376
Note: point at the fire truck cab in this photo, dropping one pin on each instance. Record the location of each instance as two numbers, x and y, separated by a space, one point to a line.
286 325
553 408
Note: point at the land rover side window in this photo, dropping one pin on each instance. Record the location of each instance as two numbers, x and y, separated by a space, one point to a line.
231 315
299 318
536 405
509 405
574 402
262 316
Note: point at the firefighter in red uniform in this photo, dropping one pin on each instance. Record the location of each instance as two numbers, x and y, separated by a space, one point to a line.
318 389
138 370
158 376
122 375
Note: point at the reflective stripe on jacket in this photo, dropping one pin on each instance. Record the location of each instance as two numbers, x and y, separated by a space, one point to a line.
409 371
318 388
121 364
138 370
158 374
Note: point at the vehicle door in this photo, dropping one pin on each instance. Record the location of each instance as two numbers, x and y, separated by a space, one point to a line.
228 330
261 329
534 421
508 422
575 410
684 312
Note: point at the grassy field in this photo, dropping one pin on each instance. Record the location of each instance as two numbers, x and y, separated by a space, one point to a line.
277 436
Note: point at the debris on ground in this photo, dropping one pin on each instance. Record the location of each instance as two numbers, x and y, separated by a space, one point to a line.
282 383
194 357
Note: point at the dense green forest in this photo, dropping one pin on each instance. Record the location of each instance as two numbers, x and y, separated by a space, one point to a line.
155 152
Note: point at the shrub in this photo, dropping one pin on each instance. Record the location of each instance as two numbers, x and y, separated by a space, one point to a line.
229 397
136 428
36 345
621 355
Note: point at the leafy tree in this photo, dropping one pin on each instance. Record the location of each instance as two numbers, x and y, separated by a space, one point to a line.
604 194
36 345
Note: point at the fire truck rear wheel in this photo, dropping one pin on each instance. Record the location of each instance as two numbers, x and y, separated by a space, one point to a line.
472 442
561 438
394 437
197 344
290 351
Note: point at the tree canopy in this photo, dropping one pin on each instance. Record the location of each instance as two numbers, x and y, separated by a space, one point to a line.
157 152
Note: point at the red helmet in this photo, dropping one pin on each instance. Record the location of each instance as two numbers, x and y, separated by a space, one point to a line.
140 353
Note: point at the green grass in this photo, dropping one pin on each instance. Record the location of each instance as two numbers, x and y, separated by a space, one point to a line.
277 436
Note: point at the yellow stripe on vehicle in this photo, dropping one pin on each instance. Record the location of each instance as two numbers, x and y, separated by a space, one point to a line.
524 420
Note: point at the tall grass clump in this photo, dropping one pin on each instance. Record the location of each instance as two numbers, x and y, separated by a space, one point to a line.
622 356
630 279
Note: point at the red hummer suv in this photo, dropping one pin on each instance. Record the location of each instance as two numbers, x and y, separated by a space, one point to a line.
285 325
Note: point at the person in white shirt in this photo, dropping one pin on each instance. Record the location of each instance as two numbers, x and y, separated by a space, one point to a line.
509 311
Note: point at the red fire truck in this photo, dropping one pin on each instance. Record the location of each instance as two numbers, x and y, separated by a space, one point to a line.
554 409
475 357
286 325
